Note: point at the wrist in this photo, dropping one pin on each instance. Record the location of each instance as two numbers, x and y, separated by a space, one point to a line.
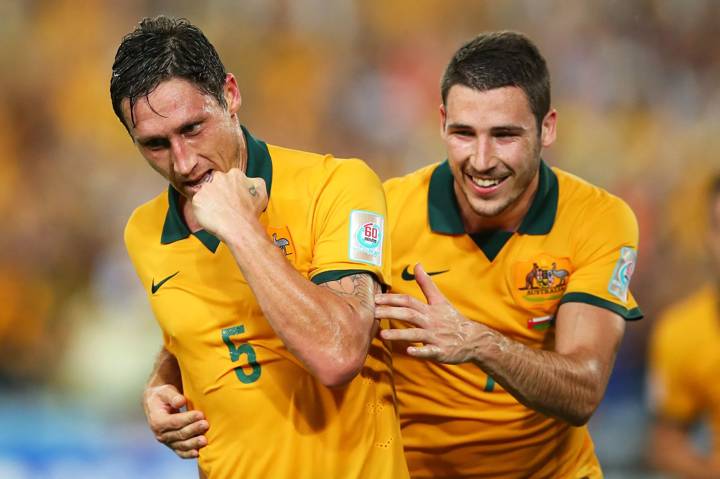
240 230
490 345
246 236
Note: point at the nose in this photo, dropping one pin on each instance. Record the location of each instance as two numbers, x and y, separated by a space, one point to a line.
183 158
483 158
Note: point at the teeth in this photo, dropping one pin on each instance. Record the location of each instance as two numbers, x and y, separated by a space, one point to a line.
203 179
485 183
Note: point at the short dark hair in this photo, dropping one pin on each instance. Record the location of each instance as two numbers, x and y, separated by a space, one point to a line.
499 59
161 48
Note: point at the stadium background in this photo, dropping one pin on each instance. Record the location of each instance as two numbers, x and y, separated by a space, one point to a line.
635 84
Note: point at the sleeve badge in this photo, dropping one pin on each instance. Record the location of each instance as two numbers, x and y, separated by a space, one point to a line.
624 268
366 237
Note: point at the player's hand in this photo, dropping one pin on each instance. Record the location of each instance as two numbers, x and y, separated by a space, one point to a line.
180 431
228 200
446 335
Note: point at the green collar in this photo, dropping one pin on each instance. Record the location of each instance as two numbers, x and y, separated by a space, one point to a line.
259 165
444 212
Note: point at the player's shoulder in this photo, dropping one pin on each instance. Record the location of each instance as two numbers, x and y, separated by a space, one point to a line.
318 168
590 205
147 220
409 184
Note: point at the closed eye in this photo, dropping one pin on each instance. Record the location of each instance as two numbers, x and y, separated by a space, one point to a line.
191 129
155 144
506 132
461 132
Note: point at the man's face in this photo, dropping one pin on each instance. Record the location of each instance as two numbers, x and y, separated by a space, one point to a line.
493 147
185 134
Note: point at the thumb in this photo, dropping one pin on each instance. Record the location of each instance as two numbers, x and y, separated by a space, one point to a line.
431 292
170 395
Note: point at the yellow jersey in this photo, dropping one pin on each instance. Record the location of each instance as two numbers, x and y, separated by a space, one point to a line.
268 416
577 243
684 362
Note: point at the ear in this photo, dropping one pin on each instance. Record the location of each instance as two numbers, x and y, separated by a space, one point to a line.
443 119
231 92
549 128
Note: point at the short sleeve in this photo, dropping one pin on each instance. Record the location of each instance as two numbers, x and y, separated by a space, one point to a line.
350 231
605 258
671 391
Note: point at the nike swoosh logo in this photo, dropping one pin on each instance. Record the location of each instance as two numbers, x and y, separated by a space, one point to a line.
155 287
408 276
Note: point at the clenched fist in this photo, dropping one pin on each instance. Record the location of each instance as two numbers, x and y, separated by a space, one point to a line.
229 200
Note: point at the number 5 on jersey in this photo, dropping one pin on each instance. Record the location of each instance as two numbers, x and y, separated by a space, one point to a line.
237 351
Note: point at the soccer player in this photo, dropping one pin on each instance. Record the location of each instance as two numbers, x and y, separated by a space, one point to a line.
684 363
260 264
505 333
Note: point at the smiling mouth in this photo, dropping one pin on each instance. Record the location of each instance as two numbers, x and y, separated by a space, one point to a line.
486 183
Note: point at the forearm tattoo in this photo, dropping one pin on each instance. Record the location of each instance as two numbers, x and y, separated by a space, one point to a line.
253 191
362 287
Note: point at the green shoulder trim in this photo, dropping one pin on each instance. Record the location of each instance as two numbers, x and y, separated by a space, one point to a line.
628 314
335 275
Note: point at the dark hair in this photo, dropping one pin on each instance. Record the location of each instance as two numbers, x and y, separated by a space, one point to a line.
161 48
500 59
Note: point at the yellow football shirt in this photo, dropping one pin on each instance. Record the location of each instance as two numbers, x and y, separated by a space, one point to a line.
268 416
577 243
684 362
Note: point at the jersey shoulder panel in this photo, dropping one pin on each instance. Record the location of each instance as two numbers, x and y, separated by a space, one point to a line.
408 193
146 222
595 217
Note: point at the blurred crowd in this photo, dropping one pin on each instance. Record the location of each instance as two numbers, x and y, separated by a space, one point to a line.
635 84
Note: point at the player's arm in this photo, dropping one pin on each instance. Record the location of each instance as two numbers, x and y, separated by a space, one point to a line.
181 431
567 383
671 450
327 327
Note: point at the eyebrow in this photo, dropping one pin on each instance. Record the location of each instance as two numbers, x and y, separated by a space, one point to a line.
146 140
150 139
512 129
